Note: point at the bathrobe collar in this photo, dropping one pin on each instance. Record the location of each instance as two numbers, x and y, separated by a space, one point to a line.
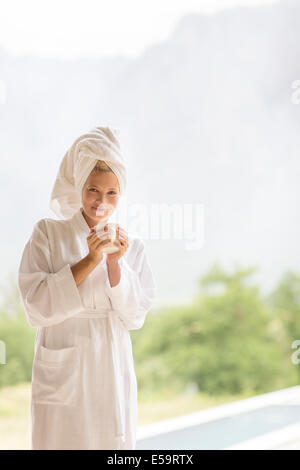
82 224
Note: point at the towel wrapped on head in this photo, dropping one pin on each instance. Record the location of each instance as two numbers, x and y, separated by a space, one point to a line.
101 143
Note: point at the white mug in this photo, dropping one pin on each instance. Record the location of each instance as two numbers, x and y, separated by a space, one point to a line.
110 233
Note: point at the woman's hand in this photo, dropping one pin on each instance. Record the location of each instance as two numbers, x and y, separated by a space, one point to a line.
95 246
122 242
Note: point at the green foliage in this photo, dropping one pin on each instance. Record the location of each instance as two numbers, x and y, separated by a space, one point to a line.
285 304
229 340
18 337
224 342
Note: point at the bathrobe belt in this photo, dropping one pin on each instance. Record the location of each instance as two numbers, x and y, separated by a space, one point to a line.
119 392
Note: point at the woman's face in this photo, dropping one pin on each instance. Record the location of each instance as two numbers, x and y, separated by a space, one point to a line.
101 188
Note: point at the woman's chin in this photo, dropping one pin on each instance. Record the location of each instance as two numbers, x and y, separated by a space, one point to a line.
100 218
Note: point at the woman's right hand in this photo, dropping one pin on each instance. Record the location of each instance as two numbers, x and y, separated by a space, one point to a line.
95 246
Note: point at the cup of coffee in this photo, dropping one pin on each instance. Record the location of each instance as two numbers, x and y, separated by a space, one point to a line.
110 233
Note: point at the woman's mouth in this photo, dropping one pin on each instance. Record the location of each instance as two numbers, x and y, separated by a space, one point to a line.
100 211
103 209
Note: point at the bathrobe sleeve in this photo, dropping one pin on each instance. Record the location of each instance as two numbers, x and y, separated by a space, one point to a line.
136 291
48 297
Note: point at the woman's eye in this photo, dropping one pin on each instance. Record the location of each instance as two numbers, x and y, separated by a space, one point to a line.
111 192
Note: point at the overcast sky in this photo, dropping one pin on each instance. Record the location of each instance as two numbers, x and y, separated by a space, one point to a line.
73 28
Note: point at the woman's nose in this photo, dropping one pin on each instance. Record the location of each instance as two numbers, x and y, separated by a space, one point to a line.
101 200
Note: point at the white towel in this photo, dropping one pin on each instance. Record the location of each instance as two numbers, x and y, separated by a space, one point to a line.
101 143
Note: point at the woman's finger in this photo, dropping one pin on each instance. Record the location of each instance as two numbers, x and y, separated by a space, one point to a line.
121 244
91 237
103 242
121 230
122 235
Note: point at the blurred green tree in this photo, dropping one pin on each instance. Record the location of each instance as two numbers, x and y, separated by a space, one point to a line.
224 342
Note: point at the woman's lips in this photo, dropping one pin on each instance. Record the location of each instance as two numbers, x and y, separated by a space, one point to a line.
97 209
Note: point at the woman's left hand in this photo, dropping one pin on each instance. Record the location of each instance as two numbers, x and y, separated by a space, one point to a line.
122 242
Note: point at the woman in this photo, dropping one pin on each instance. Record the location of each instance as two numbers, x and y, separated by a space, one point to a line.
83 303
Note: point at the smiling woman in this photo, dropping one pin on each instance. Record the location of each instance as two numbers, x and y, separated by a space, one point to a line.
84 388
100 194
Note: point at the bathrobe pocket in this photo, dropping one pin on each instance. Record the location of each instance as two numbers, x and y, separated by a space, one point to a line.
55 376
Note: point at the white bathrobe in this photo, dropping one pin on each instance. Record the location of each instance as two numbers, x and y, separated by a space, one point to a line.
84 388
